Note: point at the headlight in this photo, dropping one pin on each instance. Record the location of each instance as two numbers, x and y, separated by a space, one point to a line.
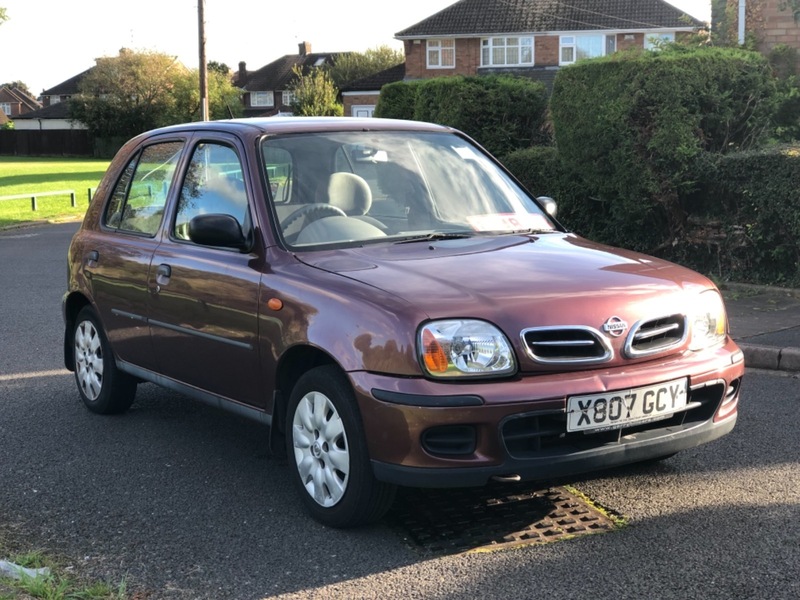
708 321
458 348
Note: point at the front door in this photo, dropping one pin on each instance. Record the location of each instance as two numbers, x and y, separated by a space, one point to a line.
204 300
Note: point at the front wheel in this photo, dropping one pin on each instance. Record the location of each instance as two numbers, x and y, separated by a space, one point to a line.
328 452
104 389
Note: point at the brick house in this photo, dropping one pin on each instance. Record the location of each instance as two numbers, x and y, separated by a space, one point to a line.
54 112
769 23
14 102
360 97
532 38
525 36
266 91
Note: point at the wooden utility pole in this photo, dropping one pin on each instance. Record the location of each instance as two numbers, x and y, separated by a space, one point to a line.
201 24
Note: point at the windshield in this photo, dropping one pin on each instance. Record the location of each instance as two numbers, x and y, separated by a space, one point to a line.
353 188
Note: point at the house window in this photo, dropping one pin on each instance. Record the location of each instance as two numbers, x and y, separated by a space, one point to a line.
506 51
441 54
262 99
577 47
55 99
654 41
287 98
6 108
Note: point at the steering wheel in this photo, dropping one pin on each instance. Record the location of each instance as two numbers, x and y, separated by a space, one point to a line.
313 212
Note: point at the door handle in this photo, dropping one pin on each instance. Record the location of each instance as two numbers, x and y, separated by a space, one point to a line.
163 273
91 258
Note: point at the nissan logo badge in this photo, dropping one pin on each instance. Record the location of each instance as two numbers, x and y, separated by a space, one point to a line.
615 327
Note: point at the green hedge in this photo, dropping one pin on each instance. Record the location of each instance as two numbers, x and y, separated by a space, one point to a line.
743 218
501 112
746 226
632 126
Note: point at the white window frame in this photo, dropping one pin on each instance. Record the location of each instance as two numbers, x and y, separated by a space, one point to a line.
287 98
441 53
571 43
6 108
507 44
55 100
652 40
262 99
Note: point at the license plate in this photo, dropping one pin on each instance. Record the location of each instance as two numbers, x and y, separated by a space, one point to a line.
614 410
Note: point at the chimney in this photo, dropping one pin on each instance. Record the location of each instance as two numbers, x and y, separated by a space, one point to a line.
305 48
242 79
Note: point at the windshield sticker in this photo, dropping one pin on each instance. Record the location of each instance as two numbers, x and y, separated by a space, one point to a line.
509 222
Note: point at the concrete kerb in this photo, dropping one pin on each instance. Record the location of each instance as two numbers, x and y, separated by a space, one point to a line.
777 357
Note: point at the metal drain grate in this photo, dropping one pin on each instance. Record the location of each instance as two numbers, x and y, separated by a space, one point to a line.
461 520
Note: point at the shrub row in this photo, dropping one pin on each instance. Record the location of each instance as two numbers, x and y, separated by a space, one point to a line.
501 112
742 215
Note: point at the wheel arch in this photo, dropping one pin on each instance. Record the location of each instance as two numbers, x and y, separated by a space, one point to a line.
291 366
73 304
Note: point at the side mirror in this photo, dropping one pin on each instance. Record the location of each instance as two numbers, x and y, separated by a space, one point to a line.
550 206
222 231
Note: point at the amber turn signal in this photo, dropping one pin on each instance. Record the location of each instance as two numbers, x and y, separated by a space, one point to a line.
433 354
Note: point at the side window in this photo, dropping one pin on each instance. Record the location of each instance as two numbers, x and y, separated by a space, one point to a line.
214 184
137 204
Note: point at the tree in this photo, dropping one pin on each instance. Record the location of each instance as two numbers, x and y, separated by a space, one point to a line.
314 94
19 85
127 94
218 67
224 100
352 66
3 15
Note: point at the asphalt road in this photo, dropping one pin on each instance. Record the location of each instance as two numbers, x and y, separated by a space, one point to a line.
183 501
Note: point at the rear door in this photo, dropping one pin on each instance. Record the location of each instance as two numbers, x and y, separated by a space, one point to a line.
204 300
117 254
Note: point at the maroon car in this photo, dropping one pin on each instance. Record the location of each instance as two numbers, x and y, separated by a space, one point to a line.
393 304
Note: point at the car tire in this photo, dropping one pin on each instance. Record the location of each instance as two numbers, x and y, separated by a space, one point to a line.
327 452
104 389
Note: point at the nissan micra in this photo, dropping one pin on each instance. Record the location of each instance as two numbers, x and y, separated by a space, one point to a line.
394 307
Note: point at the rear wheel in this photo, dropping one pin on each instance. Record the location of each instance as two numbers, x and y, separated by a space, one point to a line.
328 452
104 389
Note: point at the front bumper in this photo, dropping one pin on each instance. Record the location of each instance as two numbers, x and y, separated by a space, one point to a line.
518 426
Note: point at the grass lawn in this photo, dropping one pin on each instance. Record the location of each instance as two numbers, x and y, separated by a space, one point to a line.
37 175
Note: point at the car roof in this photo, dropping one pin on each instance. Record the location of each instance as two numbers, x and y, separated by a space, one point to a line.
283 125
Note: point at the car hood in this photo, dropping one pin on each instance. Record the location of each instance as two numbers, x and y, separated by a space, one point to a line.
476 275
520 282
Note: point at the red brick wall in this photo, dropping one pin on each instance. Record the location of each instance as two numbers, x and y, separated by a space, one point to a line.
468 58
776 27
636 41
355 100
545 51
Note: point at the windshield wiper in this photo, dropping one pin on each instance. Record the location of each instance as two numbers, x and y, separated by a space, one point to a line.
437 235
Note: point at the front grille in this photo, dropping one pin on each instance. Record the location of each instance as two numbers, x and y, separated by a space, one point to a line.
566 345
656 335
545 434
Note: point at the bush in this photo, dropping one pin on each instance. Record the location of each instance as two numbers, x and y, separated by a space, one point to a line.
632 127
501 112
542 173
746 226
397 100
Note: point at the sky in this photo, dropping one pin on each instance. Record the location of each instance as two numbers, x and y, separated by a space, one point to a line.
46 42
